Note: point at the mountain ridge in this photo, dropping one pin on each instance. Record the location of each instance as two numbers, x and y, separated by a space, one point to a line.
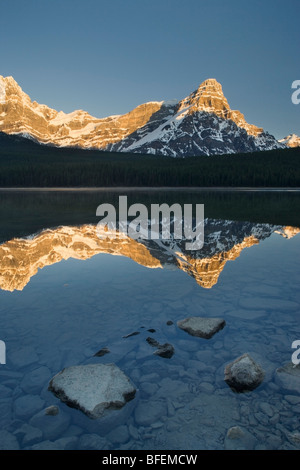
200 124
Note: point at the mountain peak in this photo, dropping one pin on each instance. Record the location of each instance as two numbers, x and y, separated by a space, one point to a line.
211 84
292 140
208 97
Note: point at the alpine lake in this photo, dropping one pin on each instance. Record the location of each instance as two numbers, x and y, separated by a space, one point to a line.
69 298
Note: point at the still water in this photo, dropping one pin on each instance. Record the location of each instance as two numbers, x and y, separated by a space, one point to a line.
65 294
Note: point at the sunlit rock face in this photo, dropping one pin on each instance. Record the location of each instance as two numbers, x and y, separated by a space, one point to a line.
200 124
288 232
20 259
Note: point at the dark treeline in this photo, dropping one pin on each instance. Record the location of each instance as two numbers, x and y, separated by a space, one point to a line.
26 164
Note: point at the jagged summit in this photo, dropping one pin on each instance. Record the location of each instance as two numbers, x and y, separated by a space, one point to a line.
292 140
201 123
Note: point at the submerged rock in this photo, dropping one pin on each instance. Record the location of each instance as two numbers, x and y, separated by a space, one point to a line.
134 333
152 342
163 350
52 410
102 352
201 326
239 439
243 374
94 388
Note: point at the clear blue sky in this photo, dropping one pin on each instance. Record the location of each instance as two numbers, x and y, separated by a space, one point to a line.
108 56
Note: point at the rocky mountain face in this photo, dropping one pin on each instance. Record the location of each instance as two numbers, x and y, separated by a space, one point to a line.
20 259
200 124
292 140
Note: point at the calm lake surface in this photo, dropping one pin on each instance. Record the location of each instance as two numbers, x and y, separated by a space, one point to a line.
65 294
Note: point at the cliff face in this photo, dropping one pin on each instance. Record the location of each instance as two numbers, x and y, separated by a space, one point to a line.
20 259
201 123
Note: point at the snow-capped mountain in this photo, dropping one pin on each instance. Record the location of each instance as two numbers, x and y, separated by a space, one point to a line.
200 124
291 140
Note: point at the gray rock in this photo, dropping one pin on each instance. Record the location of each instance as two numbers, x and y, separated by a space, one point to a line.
288 377
52 410
102 352
51 426
201 327
8 441
238 438
28 405
243 374
94 388
165 350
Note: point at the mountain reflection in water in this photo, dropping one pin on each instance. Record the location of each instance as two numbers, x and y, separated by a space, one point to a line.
224 240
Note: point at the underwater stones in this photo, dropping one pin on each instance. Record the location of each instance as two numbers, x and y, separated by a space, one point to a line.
243 374
94 388
201 327
238 438
288 377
